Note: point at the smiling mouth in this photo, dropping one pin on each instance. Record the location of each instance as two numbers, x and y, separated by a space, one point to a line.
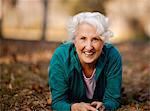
89 53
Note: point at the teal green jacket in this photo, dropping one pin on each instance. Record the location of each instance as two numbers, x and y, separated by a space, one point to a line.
66 80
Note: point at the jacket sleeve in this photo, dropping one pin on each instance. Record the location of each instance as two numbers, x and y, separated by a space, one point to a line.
58 85
112 93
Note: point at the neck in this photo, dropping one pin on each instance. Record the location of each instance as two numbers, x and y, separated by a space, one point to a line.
88 69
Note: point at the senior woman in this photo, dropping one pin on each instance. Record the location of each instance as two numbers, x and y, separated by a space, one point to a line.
86 72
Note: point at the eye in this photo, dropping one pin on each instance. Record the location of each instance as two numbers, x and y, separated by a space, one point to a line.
83 38
95 39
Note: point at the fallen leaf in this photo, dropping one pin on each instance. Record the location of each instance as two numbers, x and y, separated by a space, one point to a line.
49 101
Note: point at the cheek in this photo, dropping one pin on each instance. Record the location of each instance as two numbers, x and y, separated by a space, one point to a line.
78 46
99 48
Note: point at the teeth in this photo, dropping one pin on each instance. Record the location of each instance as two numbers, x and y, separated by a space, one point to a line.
88 53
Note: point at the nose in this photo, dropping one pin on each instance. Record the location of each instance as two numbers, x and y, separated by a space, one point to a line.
89 45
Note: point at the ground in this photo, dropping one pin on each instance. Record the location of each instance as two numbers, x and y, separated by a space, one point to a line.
24 75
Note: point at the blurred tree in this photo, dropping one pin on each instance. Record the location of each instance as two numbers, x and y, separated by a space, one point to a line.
11 4
76 6
45 3
138 28
1 35
1 18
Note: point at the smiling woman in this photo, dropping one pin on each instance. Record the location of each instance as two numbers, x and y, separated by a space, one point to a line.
85 73
88 46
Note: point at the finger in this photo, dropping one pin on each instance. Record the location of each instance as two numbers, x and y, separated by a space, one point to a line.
94 103
102 108
86 107
83 106
83 109
90 108
97 104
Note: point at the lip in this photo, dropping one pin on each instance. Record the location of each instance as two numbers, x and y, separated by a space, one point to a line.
89 53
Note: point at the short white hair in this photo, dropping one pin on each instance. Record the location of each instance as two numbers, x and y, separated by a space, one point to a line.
96 19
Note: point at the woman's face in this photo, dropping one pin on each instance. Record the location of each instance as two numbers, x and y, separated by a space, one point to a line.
88 43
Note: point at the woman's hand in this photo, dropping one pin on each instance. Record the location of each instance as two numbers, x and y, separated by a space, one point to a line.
82 107
98 105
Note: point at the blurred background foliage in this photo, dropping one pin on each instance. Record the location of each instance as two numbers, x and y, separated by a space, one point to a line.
47 19
84 5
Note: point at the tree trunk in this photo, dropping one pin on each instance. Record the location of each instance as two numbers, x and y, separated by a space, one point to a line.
1 35
1 19
43 36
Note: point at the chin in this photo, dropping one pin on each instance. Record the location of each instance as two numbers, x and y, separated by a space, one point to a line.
89 61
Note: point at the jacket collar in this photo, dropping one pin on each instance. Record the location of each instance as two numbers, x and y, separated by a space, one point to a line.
100 64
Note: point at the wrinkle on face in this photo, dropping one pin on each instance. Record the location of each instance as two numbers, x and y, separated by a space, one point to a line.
88 43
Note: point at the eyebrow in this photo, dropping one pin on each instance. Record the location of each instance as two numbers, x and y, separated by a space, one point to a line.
97 37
